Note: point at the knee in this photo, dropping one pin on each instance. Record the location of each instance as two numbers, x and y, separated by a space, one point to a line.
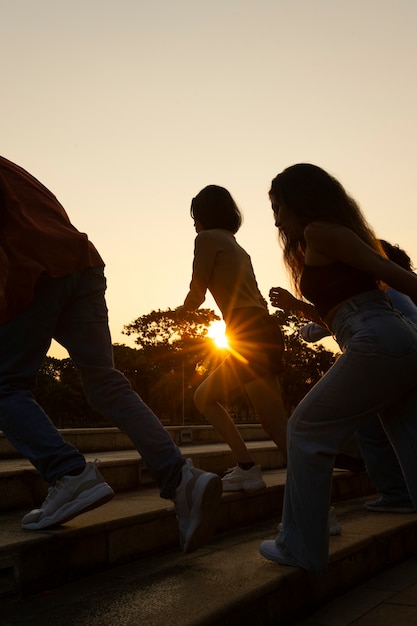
198 400
105 388
202 400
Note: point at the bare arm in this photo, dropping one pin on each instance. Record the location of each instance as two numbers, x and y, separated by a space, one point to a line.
204 260
332 242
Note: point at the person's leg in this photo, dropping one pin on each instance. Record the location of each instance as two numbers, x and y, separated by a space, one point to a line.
207 400
256 345
83 330
24 342
376 371
383 468
246 475
400 423
75 486
316 431
266 397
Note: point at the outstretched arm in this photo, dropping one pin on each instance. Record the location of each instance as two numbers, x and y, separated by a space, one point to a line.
204 259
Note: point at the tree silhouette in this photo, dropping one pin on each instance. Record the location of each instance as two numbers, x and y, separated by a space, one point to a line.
173 357
168 327
177 356
59 391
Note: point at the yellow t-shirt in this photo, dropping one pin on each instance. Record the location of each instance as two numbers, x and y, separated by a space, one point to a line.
224 268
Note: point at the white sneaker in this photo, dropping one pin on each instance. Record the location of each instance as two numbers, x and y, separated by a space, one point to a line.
69 497
270 551
197 502
334 526
238 479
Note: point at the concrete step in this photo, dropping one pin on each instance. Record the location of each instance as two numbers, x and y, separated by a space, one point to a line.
93 440
134 525
124 470
226 583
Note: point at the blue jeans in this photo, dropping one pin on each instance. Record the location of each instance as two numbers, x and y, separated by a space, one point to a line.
73 311
382 464
376 374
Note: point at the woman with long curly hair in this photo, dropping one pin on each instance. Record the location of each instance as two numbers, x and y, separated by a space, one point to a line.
337 264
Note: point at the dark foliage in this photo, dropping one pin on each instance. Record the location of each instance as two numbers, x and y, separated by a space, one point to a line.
173 358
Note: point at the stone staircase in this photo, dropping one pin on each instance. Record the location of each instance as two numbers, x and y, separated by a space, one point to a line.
21 487
227 579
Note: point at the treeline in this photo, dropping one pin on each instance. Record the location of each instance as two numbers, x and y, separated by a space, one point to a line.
173 356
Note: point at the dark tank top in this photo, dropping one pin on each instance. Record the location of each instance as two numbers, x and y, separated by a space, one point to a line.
325 286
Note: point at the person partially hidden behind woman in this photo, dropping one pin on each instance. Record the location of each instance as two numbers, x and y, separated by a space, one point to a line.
337 264
224 268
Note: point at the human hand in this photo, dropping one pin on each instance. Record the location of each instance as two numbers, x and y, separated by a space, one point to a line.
180 310
282 299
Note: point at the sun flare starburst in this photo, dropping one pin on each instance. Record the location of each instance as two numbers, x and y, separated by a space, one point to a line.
216 331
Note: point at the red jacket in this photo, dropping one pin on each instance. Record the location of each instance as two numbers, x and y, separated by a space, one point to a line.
36 237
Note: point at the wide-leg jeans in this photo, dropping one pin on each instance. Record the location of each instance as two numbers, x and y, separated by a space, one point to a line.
72 310
376 374
382 463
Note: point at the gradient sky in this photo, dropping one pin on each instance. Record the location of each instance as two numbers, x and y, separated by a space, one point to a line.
125 109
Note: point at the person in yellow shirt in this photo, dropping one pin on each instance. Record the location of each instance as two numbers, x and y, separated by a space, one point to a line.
224 268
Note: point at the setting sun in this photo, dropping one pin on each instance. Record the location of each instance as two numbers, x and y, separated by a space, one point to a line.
216 332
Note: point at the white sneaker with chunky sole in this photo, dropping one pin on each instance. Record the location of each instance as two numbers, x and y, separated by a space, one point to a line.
69 497
238 479
270 551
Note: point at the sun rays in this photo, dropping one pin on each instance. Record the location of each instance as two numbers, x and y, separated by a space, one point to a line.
216 331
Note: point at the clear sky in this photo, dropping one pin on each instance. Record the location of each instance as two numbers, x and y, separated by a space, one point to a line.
125 109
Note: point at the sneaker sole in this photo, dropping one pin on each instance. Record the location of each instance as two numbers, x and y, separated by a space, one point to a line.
207 495
92 499
389 509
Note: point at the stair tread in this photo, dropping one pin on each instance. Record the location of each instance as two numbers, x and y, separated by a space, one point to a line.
129 504
19 464
225 582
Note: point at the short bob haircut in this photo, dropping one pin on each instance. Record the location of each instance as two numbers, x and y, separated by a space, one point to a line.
214 207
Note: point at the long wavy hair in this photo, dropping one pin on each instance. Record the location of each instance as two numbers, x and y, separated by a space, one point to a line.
310 194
